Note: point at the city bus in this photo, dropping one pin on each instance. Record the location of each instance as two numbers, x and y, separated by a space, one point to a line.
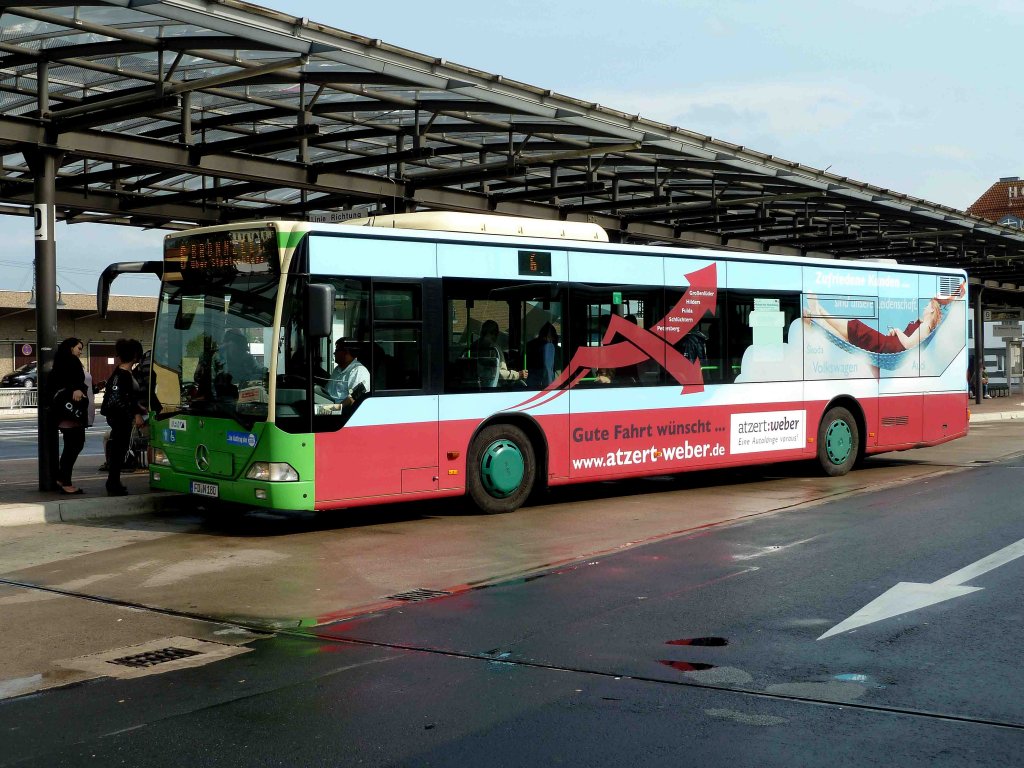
502 356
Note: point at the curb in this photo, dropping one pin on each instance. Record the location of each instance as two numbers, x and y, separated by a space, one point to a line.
84 509
102 507
977 418
18 413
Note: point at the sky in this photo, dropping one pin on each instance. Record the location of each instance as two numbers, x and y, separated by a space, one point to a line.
916 96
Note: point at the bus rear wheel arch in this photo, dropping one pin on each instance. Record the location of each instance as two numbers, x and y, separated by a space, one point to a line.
839 444
501 468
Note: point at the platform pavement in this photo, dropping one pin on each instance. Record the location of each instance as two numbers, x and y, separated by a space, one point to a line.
22 503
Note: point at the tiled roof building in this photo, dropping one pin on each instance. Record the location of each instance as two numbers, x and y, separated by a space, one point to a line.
1003 203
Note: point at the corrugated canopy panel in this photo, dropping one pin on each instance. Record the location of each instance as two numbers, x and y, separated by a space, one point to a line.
176 113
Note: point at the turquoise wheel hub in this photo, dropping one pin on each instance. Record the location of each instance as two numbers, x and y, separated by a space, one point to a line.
502 468
838 441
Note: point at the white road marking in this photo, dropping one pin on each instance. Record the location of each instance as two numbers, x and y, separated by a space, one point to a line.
908 596
772 550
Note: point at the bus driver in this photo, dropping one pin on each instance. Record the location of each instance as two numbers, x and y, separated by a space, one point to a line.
350 379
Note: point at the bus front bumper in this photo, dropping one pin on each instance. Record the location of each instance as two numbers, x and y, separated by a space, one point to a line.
298 495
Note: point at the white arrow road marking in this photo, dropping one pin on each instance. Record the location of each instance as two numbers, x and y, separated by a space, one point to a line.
907 596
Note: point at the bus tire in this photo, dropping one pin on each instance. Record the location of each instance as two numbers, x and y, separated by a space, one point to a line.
501 469
838 442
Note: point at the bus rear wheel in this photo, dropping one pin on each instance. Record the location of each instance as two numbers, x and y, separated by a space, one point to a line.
502 469
838 442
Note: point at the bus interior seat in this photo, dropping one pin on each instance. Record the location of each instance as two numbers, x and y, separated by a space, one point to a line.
462 374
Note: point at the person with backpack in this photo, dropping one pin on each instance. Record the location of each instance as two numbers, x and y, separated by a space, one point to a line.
122 408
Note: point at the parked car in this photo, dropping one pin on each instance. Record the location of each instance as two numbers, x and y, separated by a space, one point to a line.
25 376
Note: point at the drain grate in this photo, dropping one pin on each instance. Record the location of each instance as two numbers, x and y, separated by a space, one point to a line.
152 658
415 595
155 657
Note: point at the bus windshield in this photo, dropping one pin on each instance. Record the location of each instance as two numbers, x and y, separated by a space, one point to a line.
213 341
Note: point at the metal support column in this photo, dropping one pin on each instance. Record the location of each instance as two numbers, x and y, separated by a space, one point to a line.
43 164
979 345
45 173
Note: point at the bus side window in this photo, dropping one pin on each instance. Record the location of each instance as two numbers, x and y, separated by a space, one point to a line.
473 363
542 351
632 310
351 323
704 342
489 328
396 360
757 327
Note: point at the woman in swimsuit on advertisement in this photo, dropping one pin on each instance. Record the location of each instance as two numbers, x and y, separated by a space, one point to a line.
870 340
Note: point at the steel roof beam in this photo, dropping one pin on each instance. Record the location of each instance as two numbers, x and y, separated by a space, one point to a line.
753 223
442 177
223 122
222 192
373 161
257 143
544 193
883 237
112 48
172 89
109 175
93 119
128 150
719 204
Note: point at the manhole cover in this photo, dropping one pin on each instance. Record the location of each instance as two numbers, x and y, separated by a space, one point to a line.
152 658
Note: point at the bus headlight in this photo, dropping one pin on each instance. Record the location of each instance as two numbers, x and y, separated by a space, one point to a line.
272 471
160 457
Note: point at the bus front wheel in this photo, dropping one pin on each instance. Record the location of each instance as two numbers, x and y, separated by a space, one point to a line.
502 469
838 442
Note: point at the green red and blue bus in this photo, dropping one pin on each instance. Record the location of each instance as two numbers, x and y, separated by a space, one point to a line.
658 360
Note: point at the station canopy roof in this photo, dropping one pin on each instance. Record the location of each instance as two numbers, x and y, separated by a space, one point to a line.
176 113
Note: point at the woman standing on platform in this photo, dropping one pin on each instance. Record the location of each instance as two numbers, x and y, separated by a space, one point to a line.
69 395
122 408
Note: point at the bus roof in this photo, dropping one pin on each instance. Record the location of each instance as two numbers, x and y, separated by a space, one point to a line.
486 224
467 227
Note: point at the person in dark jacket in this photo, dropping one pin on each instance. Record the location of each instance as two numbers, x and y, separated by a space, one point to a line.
122 408
541 355
67 383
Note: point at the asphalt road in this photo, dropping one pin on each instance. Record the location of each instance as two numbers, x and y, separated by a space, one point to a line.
704 648
19 440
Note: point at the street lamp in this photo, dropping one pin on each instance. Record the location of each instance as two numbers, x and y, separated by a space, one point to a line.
32 298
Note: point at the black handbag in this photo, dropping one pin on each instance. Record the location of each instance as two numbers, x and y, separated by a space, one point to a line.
117 395
65 408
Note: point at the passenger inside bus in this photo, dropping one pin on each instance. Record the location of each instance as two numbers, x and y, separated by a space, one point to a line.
541 354
490 359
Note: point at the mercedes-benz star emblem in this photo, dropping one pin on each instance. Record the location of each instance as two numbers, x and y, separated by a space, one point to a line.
203 458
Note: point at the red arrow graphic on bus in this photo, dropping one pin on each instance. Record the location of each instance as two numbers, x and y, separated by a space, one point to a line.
657 343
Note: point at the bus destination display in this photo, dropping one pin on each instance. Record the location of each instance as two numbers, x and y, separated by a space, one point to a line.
223 254
537 263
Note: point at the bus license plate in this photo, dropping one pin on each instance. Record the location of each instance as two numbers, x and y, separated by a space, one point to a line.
205 489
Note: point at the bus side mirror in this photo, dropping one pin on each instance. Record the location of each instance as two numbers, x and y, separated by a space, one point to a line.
122 268
320 308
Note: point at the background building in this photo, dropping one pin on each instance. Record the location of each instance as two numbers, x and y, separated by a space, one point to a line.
129 316
1002 203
